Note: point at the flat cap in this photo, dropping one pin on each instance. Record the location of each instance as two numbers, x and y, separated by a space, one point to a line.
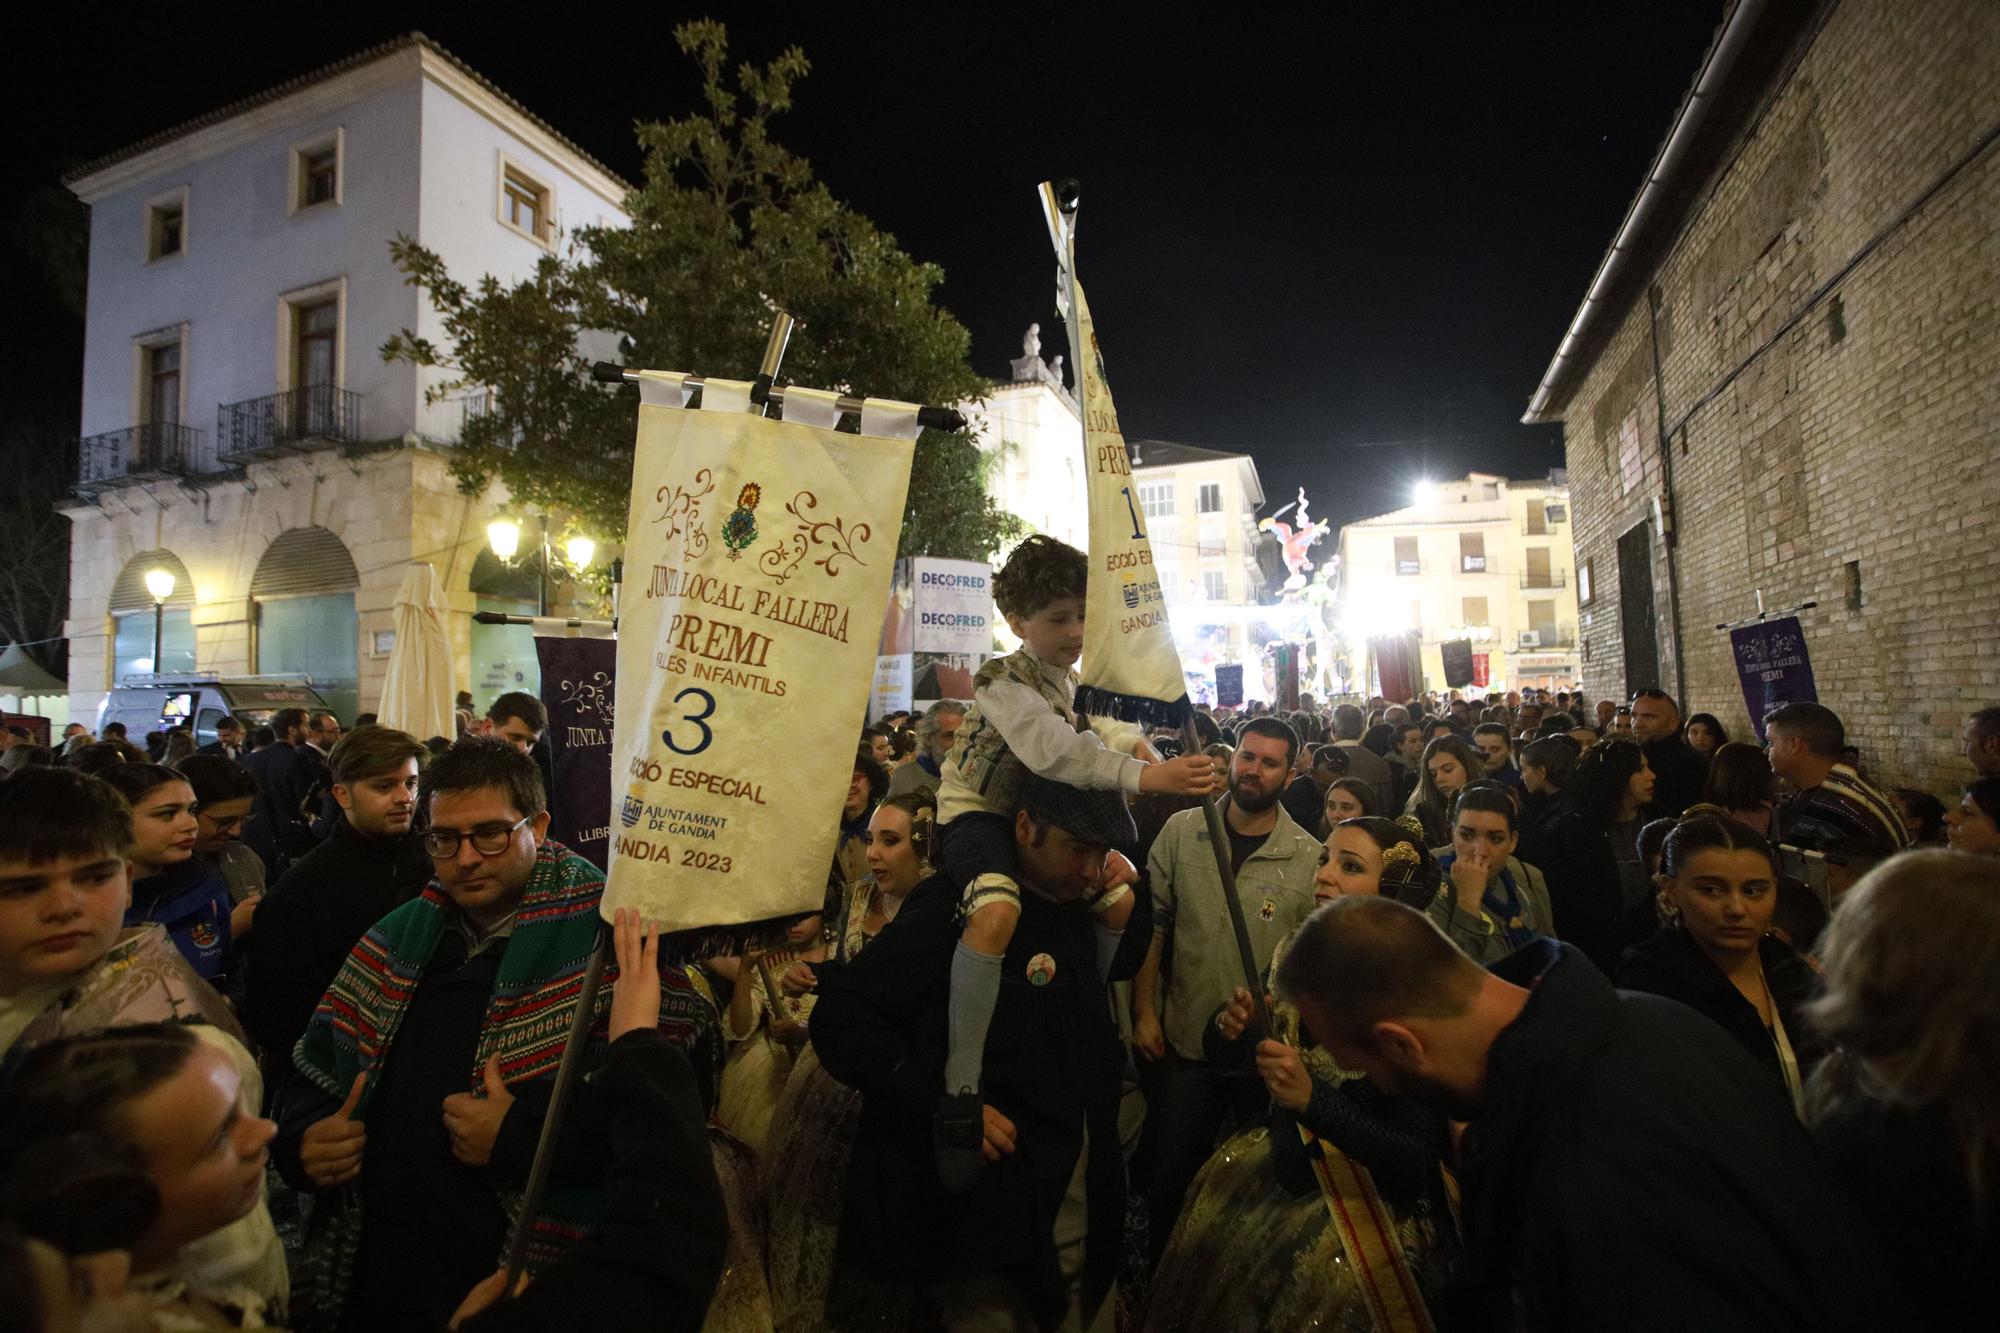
1100 818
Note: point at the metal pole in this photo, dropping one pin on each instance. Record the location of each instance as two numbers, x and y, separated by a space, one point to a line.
542 576
566 1072
1218 842
159 620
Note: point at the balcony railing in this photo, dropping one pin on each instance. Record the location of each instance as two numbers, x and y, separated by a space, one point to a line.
1532 529
1472 564
1406 568
1535 640
316 415
139 453
1544 578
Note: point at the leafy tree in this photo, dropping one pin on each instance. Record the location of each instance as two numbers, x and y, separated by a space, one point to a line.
727 226
39 460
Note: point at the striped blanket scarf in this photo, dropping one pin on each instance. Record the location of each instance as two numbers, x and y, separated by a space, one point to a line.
527 1026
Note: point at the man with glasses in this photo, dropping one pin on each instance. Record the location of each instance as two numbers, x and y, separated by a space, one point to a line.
423 1078
1679 772
368 865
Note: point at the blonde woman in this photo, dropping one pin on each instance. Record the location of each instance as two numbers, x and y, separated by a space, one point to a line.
1907 1108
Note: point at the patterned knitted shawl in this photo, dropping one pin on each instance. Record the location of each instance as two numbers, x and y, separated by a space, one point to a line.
527 1025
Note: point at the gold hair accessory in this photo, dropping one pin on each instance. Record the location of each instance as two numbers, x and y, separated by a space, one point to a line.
1411 825
1402 854
922 825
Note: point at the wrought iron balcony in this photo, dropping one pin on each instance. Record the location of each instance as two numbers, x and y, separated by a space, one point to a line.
319 414
1544 578
138 453
1547 637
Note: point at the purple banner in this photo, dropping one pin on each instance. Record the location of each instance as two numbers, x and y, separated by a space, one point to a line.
1775 668
578 677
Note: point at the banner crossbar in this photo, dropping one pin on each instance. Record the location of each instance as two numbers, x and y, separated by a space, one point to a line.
937 418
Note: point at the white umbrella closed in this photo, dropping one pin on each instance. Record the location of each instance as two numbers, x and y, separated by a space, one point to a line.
416 697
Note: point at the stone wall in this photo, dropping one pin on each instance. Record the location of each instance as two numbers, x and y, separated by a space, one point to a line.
1831 374
387 508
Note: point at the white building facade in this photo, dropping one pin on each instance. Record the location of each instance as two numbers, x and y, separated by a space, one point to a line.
241 430
1482 559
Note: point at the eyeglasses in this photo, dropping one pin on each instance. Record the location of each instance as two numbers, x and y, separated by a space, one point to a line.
232 824
487 839
1637 695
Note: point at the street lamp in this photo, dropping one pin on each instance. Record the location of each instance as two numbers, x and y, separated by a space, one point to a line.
160 583
503 535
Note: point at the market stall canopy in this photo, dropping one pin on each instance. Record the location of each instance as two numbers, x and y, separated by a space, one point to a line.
21 675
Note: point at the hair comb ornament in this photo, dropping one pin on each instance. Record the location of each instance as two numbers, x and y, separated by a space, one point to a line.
1402 857
1411 825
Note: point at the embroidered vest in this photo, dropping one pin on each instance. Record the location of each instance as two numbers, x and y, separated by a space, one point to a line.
986 772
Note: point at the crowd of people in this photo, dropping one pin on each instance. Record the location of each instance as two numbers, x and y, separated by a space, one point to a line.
1565 1014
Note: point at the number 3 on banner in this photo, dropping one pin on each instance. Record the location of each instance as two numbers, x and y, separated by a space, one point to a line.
698 720
1137 532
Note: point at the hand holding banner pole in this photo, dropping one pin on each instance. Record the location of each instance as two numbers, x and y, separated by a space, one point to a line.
1131 669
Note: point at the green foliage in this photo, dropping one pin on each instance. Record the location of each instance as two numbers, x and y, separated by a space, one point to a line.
727 227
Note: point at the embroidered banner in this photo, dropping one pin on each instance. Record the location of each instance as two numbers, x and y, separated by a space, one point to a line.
579 689
1131 669
758 557
1775 668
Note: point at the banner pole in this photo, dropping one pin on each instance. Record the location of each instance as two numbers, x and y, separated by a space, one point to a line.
1060 204
566 1072
593 973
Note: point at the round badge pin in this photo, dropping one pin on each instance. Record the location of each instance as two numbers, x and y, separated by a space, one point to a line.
1269 909
1041 970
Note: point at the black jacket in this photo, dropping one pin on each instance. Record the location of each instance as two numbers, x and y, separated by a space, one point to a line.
1052 1067
1585 892
310 920
661 1245
1903 1165
1670 963
1680 775
1629 1170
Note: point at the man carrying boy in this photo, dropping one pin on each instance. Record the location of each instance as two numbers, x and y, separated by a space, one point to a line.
1021 721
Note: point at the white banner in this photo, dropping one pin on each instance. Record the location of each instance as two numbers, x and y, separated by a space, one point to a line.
954 605
758 558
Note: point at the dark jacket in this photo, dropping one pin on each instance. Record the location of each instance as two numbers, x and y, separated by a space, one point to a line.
1304 802
1539 814
1629 1170
665 1232
1671 963
192 901
1585 892
1903 1165
279 831
1052 1067
1680 775
311 919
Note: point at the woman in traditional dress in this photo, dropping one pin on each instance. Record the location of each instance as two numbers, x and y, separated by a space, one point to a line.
812 1132
1354 1232
765 1034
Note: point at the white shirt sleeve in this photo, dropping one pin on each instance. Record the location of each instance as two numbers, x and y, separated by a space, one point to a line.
1045 743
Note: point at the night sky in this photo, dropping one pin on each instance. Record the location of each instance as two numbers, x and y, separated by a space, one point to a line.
1343 238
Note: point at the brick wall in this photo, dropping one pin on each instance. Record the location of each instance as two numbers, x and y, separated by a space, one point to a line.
1867 433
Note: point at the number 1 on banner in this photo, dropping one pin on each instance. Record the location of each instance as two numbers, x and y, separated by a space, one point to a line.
1137 532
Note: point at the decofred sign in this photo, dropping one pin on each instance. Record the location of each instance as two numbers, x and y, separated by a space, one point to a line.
954 606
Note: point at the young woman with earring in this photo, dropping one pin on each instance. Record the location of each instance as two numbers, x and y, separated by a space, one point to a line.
1715 951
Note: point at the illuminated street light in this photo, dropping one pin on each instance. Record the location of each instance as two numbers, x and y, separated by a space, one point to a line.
580 550
1424 491
503 534
160 583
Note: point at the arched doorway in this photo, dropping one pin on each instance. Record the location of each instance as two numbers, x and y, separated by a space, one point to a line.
131 611
503 656
303 595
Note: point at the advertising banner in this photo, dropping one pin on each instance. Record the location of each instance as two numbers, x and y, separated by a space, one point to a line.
954 606
758 558
1774 666
578 689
